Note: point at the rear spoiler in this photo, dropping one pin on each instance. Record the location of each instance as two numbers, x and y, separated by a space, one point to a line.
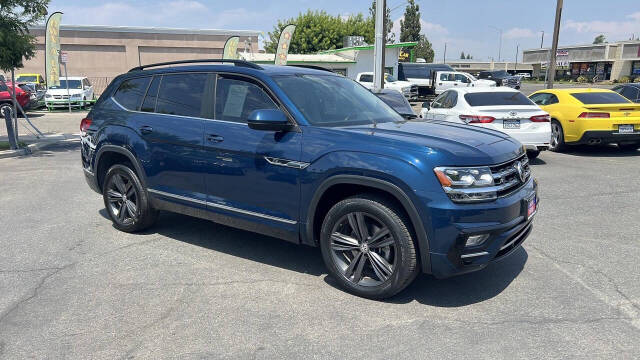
614 107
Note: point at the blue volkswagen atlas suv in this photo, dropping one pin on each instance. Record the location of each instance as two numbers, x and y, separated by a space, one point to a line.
310 157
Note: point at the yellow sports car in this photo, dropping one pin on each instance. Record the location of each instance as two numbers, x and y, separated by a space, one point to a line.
590 116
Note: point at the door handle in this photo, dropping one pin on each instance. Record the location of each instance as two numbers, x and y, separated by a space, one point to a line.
146 129
215 138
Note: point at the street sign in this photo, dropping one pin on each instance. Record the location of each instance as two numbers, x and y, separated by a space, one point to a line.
63 57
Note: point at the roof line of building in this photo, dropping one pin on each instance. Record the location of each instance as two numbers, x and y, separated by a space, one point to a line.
153 30
561 47
369 47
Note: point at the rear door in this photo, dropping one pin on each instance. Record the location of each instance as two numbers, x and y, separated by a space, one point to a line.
250 175
171 122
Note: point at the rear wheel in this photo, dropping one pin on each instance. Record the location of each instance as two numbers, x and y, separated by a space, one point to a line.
5 107
629 146
557 143
126 201
367 247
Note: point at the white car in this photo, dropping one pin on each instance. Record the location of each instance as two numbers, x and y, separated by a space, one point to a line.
446 80
501 108
80 90
407 89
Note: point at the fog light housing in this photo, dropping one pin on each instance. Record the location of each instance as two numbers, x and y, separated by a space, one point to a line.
476 240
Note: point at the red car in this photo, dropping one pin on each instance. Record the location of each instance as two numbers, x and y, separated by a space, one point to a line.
22 96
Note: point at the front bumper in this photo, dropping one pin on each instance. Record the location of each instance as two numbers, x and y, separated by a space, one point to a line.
63 103
505 221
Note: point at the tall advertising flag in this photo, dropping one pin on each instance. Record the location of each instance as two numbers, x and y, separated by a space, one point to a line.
52 45
283 44
231 48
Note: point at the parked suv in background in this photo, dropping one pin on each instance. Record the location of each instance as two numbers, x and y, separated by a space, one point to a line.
421 74
310 157
501 77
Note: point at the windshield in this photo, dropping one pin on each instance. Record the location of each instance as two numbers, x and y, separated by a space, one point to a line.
600 98
397 101
497 98
500 73
27 78
390 78
73 84
329 100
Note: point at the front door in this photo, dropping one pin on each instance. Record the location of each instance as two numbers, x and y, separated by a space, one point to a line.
250 173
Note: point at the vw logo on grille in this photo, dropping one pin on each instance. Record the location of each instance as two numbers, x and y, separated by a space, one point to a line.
512 113
518 166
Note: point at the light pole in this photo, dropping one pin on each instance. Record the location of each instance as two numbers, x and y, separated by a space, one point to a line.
444 56
542 39
517 51
379 47
551 68
500 47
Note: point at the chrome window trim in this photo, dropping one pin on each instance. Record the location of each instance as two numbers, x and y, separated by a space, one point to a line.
220 206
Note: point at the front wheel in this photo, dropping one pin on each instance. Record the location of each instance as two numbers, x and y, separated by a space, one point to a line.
557 137
368 248
126 201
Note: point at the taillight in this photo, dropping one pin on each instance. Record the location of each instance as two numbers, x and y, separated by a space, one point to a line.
475 119
541 118
84 124
594 115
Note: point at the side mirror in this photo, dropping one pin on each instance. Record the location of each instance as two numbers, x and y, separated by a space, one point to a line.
426 105
268 120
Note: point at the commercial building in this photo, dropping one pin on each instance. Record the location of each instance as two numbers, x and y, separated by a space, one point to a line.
609 61
348 61
103 52
475 66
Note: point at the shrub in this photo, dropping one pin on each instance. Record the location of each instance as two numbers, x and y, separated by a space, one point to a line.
637 79
582 79
624 80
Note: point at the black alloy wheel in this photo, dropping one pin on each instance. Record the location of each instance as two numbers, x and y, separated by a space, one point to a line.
367 246
126 201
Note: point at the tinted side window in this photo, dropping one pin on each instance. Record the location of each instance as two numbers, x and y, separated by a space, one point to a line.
366 78
236 98
149 104
540 98
437 103
451 100
552 100
131 91
185 95
630 93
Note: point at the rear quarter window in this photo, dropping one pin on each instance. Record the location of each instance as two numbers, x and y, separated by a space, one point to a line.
131 92
497 98
599 98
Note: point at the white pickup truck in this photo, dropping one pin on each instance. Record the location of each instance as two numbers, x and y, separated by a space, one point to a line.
445 80
407 89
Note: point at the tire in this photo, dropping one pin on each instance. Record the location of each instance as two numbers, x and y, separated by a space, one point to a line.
5 107
629 146
533 154
557 144
380 266
121 179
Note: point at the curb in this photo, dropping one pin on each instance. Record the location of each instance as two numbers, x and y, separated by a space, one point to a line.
35 147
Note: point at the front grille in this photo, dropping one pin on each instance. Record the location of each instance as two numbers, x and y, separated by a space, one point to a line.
507 178
61 97
514 240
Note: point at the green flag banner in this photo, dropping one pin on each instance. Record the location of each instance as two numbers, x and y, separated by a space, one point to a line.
231 48
52 41
283 44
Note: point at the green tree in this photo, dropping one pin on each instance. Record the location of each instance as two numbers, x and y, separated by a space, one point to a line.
469 57
388 24
462 56
410 25
600 39
424 49
318 30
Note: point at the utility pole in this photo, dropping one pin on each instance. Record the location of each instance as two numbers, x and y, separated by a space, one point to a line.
517 51
551 68
500 46
444 56
542 40
379 47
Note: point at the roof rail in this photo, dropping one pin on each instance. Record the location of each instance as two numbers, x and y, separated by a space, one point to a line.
233 61
315 67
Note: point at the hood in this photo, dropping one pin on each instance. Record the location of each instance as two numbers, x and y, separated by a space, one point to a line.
401 83
484 82
64 91
457 144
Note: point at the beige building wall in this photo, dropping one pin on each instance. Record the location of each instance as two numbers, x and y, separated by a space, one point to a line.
103 52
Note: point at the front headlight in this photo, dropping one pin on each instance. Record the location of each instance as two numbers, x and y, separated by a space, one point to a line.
467 184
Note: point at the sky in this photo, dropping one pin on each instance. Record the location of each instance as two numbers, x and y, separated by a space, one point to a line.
472 26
